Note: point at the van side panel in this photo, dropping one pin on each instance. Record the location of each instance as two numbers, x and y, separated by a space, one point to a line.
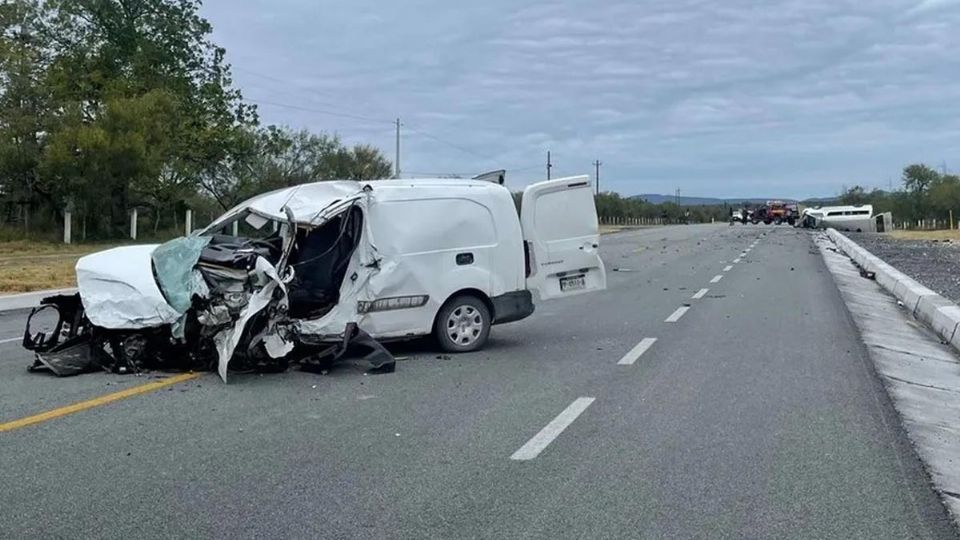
435 242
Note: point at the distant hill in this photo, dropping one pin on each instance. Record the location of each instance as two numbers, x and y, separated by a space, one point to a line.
703 201
821 201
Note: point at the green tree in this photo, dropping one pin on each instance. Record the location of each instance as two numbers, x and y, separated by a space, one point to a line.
944 194
855 195
25 104
94 165
275 157
108 55
361 162
917 179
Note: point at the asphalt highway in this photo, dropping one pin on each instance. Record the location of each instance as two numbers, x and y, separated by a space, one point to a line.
717 389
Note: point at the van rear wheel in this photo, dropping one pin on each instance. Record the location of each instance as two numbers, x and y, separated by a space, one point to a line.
463 324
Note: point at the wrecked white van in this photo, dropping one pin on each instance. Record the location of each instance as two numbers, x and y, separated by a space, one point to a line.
305 273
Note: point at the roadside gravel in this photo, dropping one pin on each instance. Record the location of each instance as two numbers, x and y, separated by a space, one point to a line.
936 264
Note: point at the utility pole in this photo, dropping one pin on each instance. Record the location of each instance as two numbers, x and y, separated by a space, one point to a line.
549 165
597 165
396 161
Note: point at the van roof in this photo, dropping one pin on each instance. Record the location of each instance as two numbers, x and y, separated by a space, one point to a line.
844 207
306 201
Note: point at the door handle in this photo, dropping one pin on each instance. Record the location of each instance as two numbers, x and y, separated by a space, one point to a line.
464 259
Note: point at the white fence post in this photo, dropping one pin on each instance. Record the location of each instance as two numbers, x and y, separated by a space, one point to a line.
133 224
188 221
67 225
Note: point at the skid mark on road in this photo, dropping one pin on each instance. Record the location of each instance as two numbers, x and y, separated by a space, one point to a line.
551 431
716 278
700 294
636 352
96 402
675 316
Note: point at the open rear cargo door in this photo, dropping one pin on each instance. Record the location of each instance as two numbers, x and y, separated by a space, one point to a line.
559 220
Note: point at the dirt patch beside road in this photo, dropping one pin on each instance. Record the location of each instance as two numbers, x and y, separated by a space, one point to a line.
953 235
933 262
33 266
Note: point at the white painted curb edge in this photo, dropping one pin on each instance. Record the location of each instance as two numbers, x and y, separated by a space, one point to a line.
936 311
11 302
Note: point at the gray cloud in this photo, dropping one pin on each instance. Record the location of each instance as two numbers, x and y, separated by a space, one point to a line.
788 97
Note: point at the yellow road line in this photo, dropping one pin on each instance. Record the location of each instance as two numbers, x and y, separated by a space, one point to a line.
96 402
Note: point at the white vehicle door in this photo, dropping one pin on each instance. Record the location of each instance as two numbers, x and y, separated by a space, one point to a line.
561 238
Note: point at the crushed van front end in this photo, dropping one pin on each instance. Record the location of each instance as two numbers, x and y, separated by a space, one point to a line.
215 301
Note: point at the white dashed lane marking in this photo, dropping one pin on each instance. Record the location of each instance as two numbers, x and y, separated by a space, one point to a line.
728 268
716 278
9 340
700 294
736 261
636 352
552 430
675 316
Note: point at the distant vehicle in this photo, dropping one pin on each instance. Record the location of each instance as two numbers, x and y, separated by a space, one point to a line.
857 218
394 258
776 212
737 216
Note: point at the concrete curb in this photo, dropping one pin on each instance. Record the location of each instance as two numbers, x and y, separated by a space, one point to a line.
936 311
11 302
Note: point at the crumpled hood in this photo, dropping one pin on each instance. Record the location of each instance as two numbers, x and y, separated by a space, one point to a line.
118 289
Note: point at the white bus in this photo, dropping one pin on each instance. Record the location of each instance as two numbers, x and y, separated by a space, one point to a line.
857 218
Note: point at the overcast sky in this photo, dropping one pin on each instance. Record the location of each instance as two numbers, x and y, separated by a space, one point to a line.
717 98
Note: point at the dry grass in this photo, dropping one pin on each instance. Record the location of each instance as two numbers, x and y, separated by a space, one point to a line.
927 235
608 229
32 266
31 275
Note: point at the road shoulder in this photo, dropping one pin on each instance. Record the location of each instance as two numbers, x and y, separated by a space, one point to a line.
920 373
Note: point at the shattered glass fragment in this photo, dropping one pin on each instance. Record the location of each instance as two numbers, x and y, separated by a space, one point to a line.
174 263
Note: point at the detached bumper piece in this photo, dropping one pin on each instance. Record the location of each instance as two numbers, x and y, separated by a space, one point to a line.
74 346
65 350
355 343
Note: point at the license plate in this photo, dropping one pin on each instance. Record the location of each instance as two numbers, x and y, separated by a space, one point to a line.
573 283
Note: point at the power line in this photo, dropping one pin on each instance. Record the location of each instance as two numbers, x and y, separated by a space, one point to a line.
288 85
337 113
471 173
319 111
448 143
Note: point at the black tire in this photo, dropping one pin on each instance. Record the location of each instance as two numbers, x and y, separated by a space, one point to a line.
474 329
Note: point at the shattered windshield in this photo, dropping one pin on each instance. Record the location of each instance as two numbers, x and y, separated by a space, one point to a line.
174 265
